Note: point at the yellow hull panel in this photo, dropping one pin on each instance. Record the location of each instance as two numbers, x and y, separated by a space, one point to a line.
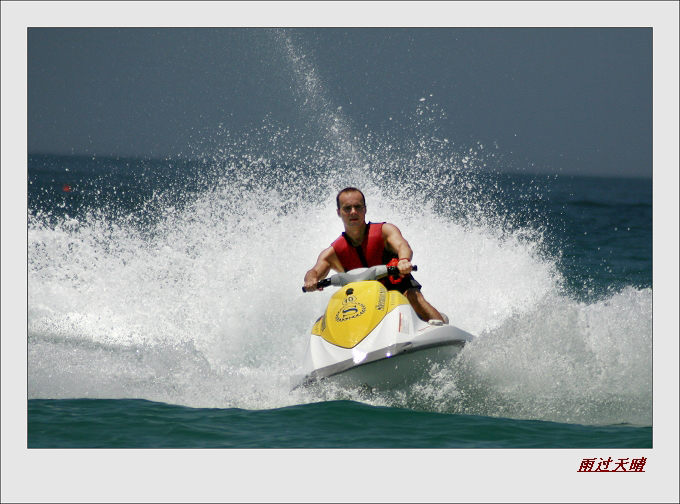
354 311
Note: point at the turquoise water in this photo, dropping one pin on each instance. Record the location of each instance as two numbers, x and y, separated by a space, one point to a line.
136 423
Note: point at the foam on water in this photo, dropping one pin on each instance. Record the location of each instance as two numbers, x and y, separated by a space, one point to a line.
203 307
207 310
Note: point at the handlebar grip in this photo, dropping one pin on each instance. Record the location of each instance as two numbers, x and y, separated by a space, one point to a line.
394 271
321 284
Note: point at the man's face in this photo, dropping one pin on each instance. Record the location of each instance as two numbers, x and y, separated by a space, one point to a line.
352 210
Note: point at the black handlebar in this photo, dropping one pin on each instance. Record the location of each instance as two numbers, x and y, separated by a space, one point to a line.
392 271
321 284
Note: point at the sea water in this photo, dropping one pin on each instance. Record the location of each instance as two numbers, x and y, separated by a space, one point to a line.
165 305
187 290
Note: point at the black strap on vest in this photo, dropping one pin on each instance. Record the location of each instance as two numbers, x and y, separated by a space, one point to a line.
362 258
359 250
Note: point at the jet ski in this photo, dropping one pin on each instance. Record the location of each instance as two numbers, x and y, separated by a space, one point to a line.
371 337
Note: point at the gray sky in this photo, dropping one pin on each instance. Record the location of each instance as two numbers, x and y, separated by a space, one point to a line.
569 100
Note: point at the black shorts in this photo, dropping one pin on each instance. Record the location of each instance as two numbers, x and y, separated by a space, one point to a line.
408 282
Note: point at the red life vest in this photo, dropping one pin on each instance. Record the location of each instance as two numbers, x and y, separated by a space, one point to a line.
372 249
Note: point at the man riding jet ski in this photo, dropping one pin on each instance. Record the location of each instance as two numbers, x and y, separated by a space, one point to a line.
366 245
378 331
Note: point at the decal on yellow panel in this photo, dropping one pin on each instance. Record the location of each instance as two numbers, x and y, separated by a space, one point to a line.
354 311
319 326
395 299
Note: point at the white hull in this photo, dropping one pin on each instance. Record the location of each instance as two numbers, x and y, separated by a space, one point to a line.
397 371
399 351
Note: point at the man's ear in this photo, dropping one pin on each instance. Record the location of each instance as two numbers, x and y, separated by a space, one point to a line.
339 213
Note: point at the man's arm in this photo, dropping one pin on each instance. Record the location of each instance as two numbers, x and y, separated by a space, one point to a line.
397 244
327 259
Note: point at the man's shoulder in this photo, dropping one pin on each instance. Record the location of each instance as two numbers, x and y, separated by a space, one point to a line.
388 228
328 251
330 255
